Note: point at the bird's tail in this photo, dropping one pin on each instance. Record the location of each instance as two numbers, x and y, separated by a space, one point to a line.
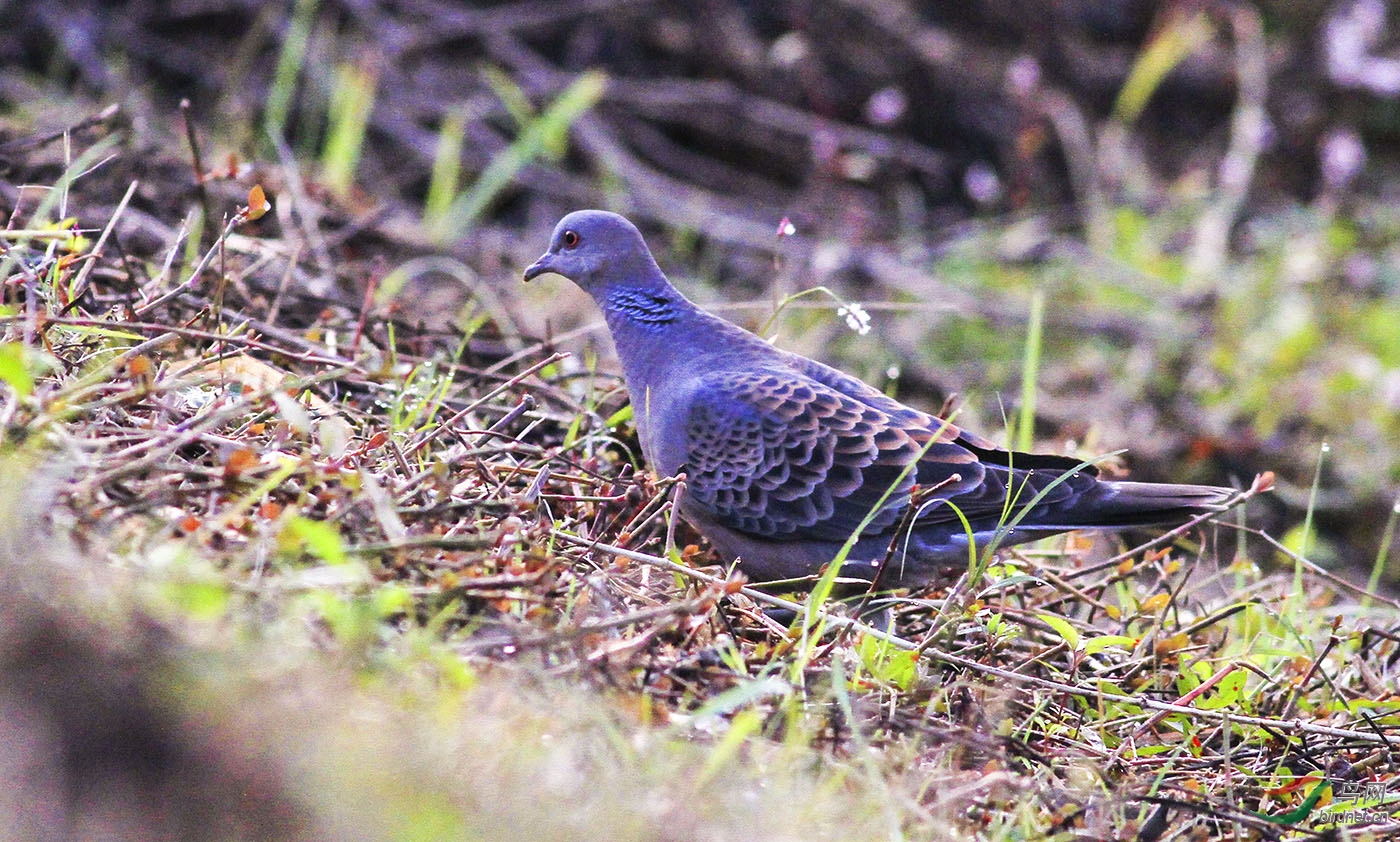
1116 504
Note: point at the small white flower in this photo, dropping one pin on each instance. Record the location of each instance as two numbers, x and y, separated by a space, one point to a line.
856 318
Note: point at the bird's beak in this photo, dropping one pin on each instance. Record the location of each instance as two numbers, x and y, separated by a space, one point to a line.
542 266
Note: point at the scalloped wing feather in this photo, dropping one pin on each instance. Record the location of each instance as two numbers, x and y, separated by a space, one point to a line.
776 454
808 451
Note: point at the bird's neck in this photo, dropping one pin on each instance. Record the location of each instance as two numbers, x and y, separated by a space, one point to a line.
647 324
631 309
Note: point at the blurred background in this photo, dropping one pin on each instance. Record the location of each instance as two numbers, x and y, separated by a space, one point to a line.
1201 195
1193 205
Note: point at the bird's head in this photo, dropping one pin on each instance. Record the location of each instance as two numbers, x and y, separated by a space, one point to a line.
596 250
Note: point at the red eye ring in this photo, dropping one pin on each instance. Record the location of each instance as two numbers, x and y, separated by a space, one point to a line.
570 239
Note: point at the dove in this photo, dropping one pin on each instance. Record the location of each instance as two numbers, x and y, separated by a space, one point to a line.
786 459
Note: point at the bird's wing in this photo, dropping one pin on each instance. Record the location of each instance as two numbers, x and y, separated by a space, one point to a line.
1005 481
777 454
863 392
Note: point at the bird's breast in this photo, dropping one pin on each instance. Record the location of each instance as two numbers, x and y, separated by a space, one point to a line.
660 414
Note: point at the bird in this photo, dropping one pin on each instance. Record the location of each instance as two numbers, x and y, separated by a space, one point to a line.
787 460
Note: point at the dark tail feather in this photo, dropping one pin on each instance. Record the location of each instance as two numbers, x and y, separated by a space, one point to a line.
1115 504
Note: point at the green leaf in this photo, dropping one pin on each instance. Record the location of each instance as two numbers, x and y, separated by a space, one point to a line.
887 663
571 434
622 416
321 539
742 726
202 598
1227 693
104 332
1183 35
1010 582
1067 632
1094 645
391 599
14 371
1150 751
738 697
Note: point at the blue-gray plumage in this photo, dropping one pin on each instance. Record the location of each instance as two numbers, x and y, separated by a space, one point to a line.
785 457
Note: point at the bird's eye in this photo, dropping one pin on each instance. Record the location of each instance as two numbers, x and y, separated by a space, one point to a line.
570 239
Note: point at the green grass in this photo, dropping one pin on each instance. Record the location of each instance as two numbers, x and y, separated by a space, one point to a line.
543 134
352 100
1024 438
287 74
